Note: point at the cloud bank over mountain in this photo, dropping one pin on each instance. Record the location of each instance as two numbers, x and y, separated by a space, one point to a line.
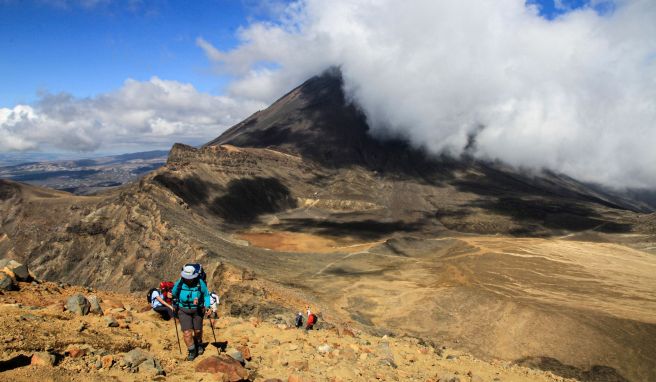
138 115
576 94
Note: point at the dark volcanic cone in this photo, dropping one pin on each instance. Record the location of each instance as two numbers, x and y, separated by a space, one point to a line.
316 120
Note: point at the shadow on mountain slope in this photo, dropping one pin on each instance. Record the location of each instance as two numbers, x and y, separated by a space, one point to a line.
248 198
193 190
551 214
362 229
597 373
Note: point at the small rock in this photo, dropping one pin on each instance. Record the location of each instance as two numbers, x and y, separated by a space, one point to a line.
151 367
223 364
98 364
245 352
387 357
324 349
31 317
82 326
18 269
43 359
94 307
111 321
273 380
293 347
302 365
135 357
78 304
236 355
76 352
107 361
6 282
451 357
388 362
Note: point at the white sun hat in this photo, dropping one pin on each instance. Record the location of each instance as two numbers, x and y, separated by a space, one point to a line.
189 272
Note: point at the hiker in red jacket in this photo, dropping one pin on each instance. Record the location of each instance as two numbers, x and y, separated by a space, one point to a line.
311 319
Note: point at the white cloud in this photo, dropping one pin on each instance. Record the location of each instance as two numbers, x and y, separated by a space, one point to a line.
139 115
576 94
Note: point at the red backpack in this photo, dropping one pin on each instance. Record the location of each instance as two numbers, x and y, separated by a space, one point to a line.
312 319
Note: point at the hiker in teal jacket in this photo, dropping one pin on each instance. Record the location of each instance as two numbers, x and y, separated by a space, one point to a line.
193 302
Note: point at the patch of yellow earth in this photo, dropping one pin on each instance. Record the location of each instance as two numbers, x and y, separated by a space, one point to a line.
229 148
303 242
624 271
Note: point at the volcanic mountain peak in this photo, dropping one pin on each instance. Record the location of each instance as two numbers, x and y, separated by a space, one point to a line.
317 121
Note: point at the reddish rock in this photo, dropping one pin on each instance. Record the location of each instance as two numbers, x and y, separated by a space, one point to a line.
43 359
245 352
223 364
75 352
107 361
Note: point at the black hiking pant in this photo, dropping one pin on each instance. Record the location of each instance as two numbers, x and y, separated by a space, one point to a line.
165 312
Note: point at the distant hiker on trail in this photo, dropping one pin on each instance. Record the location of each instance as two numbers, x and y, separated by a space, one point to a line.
161 300
193 301
214 304
299 320
311 319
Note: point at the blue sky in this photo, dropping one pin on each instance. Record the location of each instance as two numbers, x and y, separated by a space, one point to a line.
88 47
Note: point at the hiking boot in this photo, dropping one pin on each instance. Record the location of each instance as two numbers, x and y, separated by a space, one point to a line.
192 355
200 349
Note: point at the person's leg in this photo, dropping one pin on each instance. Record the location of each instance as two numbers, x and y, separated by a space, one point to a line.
164 312
198 331
187 325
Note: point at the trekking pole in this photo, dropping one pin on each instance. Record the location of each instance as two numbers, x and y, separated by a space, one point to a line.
175 324
216 343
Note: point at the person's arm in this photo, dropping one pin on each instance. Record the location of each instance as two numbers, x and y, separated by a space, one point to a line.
161 300
175 291
206 293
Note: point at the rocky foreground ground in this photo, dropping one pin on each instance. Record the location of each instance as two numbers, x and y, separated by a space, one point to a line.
58 332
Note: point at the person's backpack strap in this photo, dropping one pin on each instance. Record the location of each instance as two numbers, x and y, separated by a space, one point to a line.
150 295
